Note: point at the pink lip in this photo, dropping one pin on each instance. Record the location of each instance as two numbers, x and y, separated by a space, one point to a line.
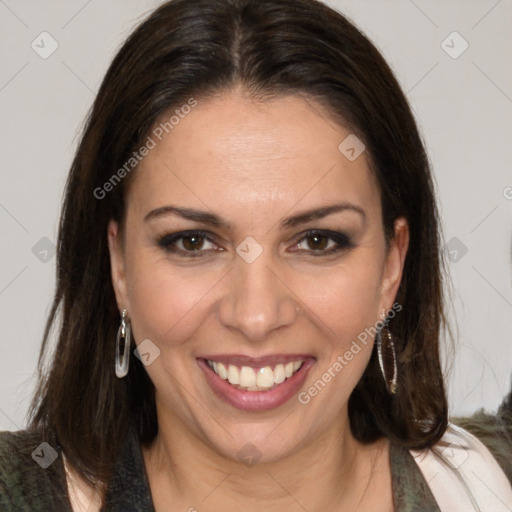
256 400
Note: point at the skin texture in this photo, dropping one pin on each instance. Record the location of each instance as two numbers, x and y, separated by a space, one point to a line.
254 164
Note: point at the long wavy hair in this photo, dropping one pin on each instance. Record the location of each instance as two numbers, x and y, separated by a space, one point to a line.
198 49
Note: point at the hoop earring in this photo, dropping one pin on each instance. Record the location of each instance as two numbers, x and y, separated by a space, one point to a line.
387 345
123 341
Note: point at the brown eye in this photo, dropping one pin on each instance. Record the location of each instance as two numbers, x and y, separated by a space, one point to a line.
317 242
193 243
188 243
323 243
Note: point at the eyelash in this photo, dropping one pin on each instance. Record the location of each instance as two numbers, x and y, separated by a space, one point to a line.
342 240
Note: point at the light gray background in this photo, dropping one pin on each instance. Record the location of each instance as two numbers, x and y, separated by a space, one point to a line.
463 106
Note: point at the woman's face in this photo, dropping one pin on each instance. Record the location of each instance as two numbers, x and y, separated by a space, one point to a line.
253 241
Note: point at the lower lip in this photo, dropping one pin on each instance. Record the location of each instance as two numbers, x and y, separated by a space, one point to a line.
256 400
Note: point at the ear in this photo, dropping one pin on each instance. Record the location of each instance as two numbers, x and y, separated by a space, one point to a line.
394 265
117 265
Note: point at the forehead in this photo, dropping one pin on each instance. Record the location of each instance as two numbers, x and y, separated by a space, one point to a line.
261 157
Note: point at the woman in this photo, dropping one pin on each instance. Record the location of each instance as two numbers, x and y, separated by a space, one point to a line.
249 284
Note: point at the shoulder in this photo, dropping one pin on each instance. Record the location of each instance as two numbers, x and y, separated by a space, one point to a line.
31 476
16 455
495 431
463 474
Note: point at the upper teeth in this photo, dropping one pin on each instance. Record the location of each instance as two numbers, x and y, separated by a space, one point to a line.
255 379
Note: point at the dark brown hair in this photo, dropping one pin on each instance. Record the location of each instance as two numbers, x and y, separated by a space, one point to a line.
196 49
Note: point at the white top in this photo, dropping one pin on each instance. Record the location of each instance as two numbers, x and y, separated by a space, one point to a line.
463 475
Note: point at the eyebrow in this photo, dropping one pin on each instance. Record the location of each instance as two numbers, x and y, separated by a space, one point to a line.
212 219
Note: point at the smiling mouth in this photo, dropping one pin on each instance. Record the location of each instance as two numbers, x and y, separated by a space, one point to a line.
248 378
256 384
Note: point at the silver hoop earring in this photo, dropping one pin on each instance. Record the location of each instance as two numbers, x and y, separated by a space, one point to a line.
384 348
123 342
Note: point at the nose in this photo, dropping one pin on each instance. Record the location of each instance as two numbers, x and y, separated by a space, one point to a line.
257 300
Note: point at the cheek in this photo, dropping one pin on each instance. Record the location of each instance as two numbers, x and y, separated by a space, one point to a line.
347 297
346 303
166 301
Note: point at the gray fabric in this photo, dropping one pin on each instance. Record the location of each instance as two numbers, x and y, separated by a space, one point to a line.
25 486
411 492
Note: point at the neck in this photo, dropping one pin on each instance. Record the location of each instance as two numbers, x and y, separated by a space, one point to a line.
334 468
